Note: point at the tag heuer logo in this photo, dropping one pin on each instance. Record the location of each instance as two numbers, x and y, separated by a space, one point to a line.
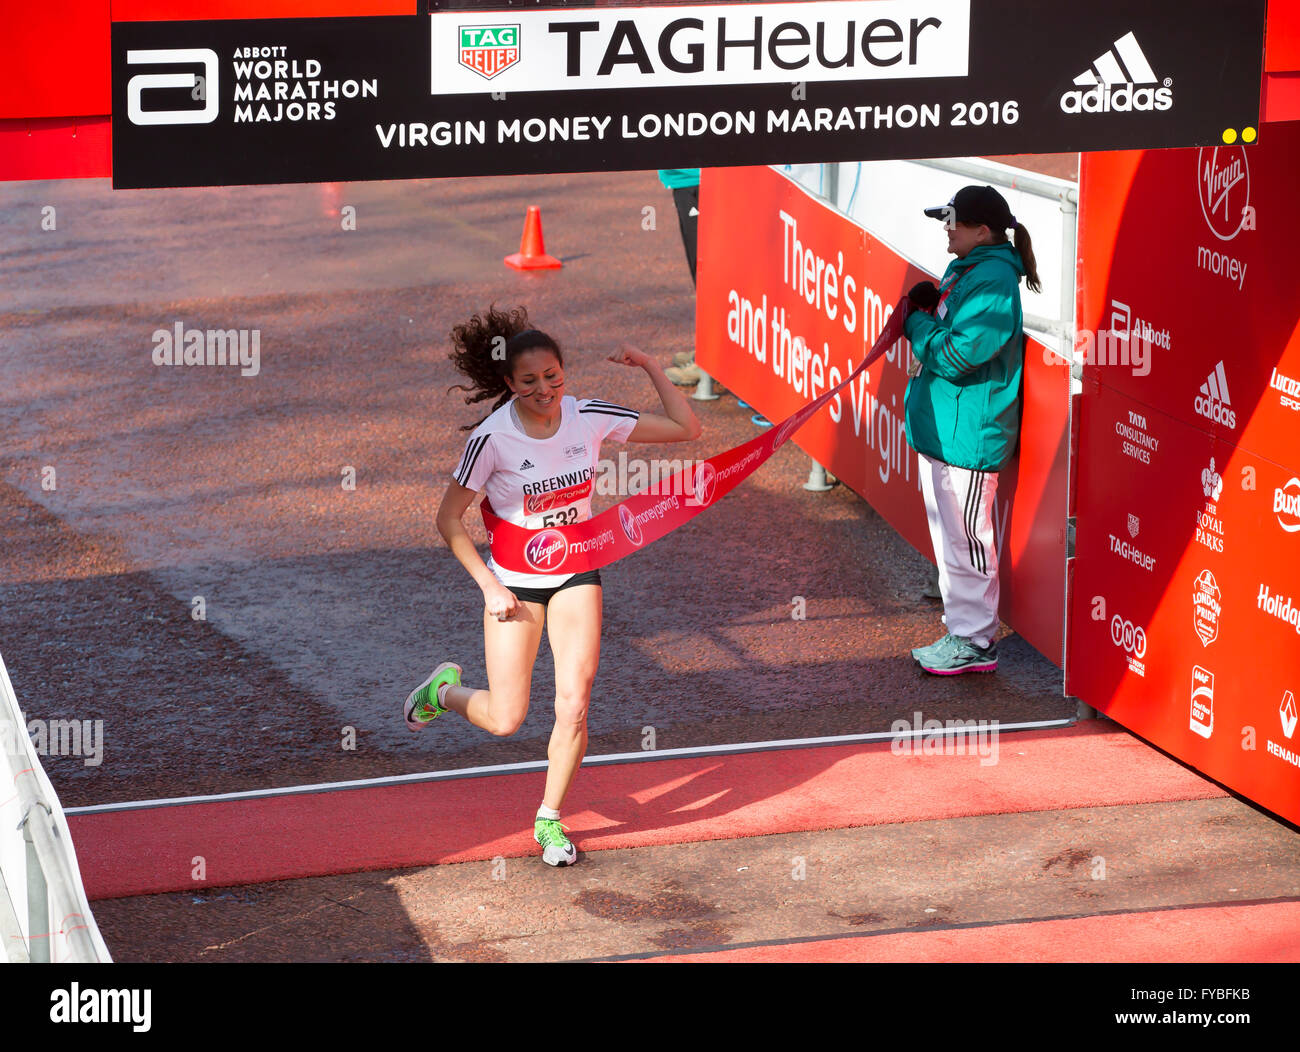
488 50
1134 524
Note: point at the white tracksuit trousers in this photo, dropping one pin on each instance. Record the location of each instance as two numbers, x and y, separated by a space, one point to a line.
959 505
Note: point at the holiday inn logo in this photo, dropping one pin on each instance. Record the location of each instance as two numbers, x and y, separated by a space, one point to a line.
489 50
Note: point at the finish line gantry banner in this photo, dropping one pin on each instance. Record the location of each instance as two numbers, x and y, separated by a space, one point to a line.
493 91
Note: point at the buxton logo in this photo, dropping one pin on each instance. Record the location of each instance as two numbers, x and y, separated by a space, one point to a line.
488 50
1223 183
545 551
1121 80
1207 604
630 528
1286 505
1213 402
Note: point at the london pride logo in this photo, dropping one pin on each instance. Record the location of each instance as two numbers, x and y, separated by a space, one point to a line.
546 550
488 50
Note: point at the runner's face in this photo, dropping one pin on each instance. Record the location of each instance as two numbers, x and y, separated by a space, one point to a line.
538 380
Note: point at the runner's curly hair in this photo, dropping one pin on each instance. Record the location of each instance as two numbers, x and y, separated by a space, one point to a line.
484 350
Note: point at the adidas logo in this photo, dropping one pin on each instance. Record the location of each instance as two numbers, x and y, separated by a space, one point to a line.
1213 402
1111 83
526 465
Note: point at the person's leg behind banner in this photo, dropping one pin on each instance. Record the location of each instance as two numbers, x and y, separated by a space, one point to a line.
959 510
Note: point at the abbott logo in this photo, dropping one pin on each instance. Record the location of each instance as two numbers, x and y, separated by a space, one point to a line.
202 87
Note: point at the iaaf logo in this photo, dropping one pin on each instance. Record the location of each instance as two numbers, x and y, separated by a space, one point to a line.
1223 183
201 88
1202 701
545 551
487 50
1286 502
1111 83
630 528
1213 402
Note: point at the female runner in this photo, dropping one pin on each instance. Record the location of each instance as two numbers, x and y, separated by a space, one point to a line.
536 455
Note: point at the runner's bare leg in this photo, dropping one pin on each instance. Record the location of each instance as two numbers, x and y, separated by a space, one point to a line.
574 631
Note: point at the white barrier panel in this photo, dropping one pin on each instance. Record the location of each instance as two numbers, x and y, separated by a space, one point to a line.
37 859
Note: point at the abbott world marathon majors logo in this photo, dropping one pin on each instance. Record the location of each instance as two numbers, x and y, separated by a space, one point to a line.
1120 80
201 82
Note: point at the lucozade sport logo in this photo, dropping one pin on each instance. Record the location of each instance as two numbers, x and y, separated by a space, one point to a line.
1120 80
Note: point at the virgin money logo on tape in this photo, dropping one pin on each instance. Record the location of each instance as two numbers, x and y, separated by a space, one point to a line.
1207 604
699 45
488 50
1120 80
1223 184
705 484
630 527
545 551
1202 721
1286 505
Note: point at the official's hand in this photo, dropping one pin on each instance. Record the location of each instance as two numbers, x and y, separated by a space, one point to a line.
500 602
924 295
628 355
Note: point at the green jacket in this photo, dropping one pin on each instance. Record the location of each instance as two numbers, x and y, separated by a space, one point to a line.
964 406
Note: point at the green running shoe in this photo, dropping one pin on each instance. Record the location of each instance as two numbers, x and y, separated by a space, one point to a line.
557 849
422 705
957 654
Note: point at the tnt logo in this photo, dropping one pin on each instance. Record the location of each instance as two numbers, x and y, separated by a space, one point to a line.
489 50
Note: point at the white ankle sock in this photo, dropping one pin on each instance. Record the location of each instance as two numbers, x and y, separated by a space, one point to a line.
548 812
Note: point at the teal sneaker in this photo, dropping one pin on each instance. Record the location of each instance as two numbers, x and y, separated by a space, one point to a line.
930 653
423 704
954 655
557 849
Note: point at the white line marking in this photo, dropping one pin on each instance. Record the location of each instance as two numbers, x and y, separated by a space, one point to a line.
540 765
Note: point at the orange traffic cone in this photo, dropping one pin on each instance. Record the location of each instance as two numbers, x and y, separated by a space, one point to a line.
532 252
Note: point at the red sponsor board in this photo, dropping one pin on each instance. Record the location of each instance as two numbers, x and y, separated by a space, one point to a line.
791 294
1185 610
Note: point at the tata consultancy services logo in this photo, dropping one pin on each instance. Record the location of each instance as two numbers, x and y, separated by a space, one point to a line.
488 50
1223 182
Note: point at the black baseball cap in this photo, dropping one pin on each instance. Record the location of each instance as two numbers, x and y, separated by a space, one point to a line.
976 205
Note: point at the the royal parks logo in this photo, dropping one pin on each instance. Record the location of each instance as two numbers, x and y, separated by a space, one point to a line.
488 50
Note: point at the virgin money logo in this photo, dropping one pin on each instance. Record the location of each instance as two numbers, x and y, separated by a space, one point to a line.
628 521
784 431
705 485
545 551
1223 182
